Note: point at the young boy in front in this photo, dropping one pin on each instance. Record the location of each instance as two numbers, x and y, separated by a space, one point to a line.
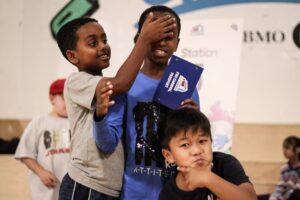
186 140
93 174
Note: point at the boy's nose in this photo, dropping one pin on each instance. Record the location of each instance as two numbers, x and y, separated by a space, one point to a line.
162 42
102 45
196 150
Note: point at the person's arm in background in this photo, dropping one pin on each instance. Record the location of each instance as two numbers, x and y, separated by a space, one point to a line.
47 177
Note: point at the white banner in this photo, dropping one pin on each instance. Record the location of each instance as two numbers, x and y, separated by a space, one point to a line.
215 44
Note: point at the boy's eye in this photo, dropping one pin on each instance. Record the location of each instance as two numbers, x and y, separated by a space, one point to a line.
93 43
203 141
185 145
104 41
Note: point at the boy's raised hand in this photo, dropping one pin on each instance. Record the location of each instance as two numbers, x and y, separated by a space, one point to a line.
196 176
154 30
103 100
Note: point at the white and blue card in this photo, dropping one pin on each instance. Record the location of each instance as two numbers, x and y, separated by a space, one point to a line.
178 83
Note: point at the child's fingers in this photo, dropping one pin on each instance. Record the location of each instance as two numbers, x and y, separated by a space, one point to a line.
49 182
165 20
108 86
102 108
106 95
149 18
169 25
109 103
183 169
189 103
55 179
166 23
106 92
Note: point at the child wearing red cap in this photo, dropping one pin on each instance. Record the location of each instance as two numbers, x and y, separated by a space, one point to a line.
45 147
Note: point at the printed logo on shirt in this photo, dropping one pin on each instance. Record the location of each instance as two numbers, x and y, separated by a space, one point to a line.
47 139
165 171
146 148
57 141
152 171
148 158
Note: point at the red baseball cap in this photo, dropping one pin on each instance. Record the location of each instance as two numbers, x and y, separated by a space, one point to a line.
57 87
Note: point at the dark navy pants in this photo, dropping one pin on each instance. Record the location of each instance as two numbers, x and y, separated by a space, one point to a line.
71 190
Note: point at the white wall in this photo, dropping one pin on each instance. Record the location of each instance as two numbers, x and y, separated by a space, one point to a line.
269 84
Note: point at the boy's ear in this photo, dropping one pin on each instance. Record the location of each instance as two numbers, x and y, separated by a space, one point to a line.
72 56
168 155
51 97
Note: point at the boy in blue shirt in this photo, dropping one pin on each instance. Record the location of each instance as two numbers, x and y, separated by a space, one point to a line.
145 172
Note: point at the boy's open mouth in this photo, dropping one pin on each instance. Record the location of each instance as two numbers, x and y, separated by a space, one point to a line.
104 57
160 53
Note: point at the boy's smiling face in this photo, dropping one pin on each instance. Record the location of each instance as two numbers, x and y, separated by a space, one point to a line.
92 53
188 148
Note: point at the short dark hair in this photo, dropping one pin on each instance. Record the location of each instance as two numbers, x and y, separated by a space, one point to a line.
292 141
66 37
157 8
183 119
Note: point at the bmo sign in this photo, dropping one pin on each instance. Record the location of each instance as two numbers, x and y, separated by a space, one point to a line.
268 36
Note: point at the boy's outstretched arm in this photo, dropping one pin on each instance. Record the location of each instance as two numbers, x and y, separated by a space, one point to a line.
152 31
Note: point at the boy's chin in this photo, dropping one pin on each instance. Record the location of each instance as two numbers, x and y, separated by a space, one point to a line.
104 66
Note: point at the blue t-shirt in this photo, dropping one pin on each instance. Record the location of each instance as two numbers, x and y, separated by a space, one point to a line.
144 175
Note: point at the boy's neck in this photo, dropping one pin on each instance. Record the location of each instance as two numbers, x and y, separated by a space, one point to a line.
179 180
153 70
94 73
55 114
